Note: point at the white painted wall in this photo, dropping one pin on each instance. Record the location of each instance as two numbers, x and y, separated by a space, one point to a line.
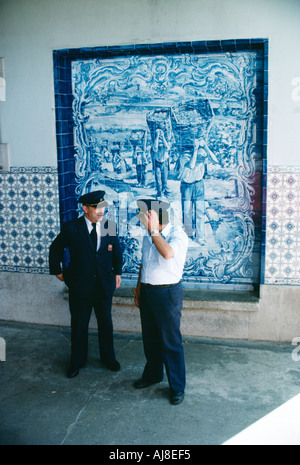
31 29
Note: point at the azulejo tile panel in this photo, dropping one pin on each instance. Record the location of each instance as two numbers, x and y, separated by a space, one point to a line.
29 218
111 102
283 226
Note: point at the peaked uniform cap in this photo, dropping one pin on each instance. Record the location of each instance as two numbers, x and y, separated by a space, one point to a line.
94 199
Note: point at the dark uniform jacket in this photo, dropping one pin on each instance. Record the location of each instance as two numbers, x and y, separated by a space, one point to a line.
86 265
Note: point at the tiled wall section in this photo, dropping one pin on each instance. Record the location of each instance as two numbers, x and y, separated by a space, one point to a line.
283 226
29 218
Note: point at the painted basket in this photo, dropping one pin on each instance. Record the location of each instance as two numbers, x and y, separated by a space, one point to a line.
137 137
190 120
159 119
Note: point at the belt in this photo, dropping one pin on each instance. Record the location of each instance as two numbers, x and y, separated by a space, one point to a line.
155 286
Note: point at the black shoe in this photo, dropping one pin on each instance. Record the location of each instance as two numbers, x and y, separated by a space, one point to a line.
72 372
140 384
113 366
177 397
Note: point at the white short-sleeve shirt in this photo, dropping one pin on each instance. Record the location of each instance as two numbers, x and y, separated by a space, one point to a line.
156 270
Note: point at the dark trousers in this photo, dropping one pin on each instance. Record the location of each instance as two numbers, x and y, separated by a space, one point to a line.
81 308
160 309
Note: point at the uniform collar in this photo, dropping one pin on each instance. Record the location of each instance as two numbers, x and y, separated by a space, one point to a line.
90 224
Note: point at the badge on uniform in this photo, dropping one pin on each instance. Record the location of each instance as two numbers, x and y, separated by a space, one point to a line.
110 247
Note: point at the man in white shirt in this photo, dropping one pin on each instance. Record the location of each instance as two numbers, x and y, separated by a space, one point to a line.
159 297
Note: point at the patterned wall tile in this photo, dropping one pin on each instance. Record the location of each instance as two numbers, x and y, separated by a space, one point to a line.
283 226
29 218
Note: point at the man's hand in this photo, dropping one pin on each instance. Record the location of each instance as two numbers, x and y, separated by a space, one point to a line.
153 221
150 220
136 297
118 281
60 277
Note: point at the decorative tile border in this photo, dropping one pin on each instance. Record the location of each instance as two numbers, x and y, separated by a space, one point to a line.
29 218
283 226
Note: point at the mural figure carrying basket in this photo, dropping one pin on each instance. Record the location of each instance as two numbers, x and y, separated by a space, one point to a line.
159 119
159 124
138 139
190 121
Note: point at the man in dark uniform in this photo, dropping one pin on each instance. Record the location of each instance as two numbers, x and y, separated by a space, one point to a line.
92 275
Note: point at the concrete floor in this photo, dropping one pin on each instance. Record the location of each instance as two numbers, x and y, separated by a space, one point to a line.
230 385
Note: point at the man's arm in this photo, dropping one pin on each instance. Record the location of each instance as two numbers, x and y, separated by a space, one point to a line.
163 247
191 165
56 253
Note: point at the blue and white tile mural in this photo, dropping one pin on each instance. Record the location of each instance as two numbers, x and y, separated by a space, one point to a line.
184 128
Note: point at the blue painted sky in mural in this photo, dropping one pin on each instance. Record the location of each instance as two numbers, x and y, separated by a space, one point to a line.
181 128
